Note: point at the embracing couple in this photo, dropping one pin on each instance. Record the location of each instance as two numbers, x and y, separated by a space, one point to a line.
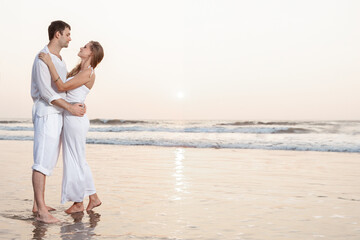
59 119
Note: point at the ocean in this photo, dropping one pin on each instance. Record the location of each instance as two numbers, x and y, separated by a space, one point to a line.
323 136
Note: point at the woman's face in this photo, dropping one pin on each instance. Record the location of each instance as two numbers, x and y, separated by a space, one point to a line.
85 52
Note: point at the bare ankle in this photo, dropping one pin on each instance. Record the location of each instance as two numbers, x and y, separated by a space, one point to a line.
42 211
93 197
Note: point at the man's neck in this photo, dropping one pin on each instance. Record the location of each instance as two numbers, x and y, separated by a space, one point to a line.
54 49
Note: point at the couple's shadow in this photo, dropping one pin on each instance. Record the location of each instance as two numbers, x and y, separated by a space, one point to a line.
76 230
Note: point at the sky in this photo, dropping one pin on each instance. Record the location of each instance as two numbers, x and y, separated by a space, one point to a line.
198 60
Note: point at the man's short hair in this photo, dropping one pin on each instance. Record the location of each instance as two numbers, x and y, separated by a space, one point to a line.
57 26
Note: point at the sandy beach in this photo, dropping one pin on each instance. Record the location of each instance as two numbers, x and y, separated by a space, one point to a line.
187 193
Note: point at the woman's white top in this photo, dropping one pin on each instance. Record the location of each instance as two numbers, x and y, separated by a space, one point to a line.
78 95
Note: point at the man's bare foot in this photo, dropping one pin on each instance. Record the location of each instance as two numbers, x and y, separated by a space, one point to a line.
46 217
76 207
94 202
47 207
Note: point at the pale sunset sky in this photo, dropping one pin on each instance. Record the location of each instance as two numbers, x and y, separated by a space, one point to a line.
165 59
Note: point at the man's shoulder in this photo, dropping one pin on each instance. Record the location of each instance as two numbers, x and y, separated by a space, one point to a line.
36 59
38 62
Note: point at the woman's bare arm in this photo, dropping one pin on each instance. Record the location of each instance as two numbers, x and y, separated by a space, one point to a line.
77 81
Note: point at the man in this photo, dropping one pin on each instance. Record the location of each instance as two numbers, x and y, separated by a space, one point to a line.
47 116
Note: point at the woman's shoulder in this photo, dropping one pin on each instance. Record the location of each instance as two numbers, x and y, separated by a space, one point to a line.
87 72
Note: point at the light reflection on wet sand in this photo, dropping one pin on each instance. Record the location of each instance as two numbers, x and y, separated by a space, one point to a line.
182 193
180 184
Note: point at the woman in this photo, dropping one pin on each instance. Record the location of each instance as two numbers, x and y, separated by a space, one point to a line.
77 178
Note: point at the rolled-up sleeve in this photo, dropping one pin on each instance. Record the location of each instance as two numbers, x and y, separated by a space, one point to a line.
43 78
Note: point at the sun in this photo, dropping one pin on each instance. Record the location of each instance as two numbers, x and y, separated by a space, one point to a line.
180 95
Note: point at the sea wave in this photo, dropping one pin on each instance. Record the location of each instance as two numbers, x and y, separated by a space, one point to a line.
18 138
16 128
13 121
217 145
172 129
254 123
334 136
250 130
264 145
115 121
287 123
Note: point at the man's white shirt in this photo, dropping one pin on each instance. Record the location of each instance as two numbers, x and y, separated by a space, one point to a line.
43 89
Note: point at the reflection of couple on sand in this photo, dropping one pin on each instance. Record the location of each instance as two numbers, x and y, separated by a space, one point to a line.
75 230
59 118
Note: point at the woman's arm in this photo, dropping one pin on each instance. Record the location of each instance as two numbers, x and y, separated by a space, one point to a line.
77 81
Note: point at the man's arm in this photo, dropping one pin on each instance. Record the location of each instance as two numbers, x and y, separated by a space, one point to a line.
43 79
47 93
76 109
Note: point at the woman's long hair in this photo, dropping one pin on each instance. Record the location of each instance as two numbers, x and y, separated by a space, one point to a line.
98 54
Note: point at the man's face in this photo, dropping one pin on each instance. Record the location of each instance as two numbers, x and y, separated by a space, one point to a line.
65 38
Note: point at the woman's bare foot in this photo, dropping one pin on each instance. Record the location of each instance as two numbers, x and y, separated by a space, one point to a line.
94 202
34 210
46 217
76 207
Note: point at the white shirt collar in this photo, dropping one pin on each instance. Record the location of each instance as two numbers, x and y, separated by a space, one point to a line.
46 50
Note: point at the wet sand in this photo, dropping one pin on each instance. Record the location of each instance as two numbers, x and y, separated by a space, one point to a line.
184 193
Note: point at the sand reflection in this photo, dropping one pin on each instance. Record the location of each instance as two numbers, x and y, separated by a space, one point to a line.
79 229
39 232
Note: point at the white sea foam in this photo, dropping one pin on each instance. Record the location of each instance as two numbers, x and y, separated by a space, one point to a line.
335 136
254 130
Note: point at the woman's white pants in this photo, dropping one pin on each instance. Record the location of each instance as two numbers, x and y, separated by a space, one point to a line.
77 177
